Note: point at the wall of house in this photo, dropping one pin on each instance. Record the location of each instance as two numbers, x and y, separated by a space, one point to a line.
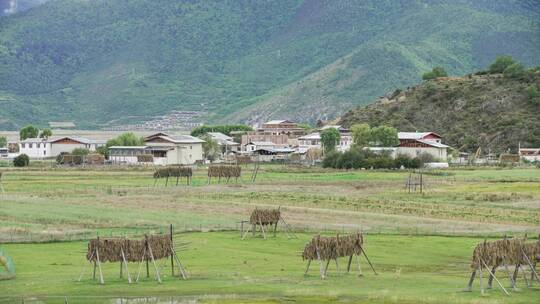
185 154
56 149
38 150
123 159
438 153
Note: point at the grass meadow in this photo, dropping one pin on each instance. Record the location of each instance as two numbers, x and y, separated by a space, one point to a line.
420 244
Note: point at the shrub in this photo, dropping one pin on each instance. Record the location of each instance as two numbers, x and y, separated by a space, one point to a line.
533 94
21 161
436 72
501 63
425 158
330 160
515 70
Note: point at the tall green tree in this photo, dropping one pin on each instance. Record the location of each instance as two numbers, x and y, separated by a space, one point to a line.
501 63
28 132
330 139
385 136
361 134
45 133
126 139
210 148
3 141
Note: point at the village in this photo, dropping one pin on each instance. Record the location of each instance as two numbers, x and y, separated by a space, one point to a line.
272 141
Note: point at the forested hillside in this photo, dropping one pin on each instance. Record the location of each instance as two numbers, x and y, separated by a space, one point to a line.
495 112
105 62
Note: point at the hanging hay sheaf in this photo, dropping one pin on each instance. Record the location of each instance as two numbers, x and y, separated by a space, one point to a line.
333 247
145 158
176 171
265 216
110 249
532 250
493 253
224 171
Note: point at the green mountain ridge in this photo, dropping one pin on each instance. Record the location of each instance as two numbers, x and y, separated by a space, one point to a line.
491 111
109 62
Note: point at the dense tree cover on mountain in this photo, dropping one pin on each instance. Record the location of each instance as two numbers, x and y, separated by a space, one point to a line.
106 62
495 110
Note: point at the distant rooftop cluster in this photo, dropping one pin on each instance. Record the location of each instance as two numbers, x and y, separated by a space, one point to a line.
175 120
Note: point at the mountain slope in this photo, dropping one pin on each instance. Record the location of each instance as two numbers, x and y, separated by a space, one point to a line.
488 111
102 62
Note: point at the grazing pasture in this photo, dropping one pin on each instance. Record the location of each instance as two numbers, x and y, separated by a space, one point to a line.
420 244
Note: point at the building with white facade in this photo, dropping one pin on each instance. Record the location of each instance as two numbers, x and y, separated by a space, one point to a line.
54 146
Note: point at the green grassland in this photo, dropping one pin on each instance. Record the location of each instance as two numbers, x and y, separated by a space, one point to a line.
420 243
412 269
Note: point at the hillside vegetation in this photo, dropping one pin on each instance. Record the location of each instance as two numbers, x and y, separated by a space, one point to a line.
103 62
491 111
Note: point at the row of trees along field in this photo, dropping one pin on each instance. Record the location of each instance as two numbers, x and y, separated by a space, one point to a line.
359 157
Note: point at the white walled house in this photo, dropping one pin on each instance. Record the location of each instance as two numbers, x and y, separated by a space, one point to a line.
175 150
530 154
416 143
253 146
54 146
313 140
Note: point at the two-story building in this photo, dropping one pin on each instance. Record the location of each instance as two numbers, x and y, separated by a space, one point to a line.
54 146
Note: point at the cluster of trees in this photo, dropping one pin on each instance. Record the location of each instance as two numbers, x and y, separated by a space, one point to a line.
33 132
225 129
21 161
357 158
363 136
3 141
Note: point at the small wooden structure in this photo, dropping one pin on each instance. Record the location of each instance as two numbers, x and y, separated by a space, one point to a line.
173 171
326 249
265 219
514 252
224 171
149 249
415 182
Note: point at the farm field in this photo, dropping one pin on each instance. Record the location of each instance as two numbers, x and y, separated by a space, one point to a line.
420 243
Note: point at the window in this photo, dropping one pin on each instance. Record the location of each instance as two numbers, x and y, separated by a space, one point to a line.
30 146
22 145
38 145
190 156
191 147
44 152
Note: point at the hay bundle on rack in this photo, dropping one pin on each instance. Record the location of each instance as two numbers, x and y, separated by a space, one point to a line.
224 171
532 250
333 247
176 171
145 158
95 159
242 159
110 249
265 216
161 245
325 246
494 253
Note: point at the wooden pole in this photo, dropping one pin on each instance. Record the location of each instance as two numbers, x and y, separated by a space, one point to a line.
508 273
172 244
349 264
490 281
496 280
84 268
530 265
337 265
326 268
140 264
262 229
180 267
369 262
307 268
481 281
99 263
153 261
126 265
471 280
320 262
